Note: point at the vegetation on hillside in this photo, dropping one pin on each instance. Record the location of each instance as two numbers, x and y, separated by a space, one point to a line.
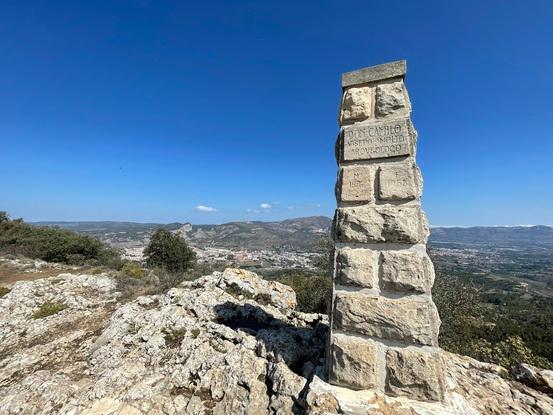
3 291
169 261
504 330
49 309
170 252
53 245
313 287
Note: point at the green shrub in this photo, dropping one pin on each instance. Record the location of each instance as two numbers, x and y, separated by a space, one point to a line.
312 291
54 245
461 312
472 328
48 309
169 251
3 290
133 270
173 338
325 262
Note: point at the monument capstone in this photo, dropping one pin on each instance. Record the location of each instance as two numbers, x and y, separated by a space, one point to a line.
384 324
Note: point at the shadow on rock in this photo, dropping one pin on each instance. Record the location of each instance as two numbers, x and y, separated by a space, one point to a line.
298 341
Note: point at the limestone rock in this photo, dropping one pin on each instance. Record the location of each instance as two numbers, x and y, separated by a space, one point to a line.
399 181
391 99
356 267
416 374
401 224
354 362
355 184
471 388
196 349
247 284
356 104
375 73
284 381
199 349
407 271
534 377
411 321
377 139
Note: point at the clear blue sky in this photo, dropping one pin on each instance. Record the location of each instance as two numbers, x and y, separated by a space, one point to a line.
145 110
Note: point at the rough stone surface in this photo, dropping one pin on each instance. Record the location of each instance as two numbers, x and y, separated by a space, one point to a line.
391 100
223 344
407 271
401 224
415 374
378 139
471 388
356 267
534 377
375 73
354 362
399 181
410 321
357 104
355 184
247 284
200 349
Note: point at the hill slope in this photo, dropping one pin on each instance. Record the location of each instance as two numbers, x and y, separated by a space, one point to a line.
299 234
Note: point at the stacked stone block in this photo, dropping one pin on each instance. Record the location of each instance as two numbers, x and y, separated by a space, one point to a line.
384 325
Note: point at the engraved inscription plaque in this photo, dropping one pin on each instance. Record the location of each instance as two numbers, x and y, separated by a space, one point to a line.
377 140
356 184
397 182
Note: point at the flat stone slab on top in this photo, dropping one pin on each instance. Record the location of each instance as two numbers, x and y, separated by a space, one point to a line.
374 73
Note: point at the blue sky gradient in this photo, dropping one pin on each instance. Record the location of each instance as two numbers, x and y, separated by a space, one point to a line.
145 110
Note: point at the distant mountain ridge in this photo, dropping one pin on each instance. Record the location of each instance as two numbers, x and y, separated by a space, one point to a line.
298 234
494 235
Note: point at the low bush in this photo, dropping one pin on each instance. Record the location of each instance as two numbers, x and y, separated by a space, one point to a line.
54 245
133 270
4 291
48 309
313 291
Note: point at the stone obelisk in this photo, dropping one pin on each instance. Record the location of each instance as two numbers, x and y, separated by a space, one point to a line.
384 325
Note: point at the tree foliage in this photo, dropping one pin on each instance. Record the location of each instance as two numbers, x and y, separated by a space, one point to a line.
53 244
474 327
325 262
170 252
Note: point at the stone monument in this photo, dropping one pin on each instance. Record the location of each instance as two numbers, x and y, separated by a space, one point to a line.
384 325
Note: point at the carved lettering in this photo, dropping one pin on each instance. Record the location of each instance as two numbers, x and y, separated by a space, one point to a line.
356 184
377 140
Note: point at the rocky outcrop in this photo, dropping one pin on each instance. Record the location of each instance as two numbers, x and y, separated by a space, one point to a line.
534 377
227 343
473 388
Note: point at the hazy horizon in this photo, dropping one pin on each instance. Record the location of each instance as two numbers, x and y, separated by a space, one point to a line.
260 220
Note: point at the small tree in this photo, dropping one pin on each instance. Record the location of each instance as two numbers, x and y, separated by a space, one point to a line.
4 217
169 251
